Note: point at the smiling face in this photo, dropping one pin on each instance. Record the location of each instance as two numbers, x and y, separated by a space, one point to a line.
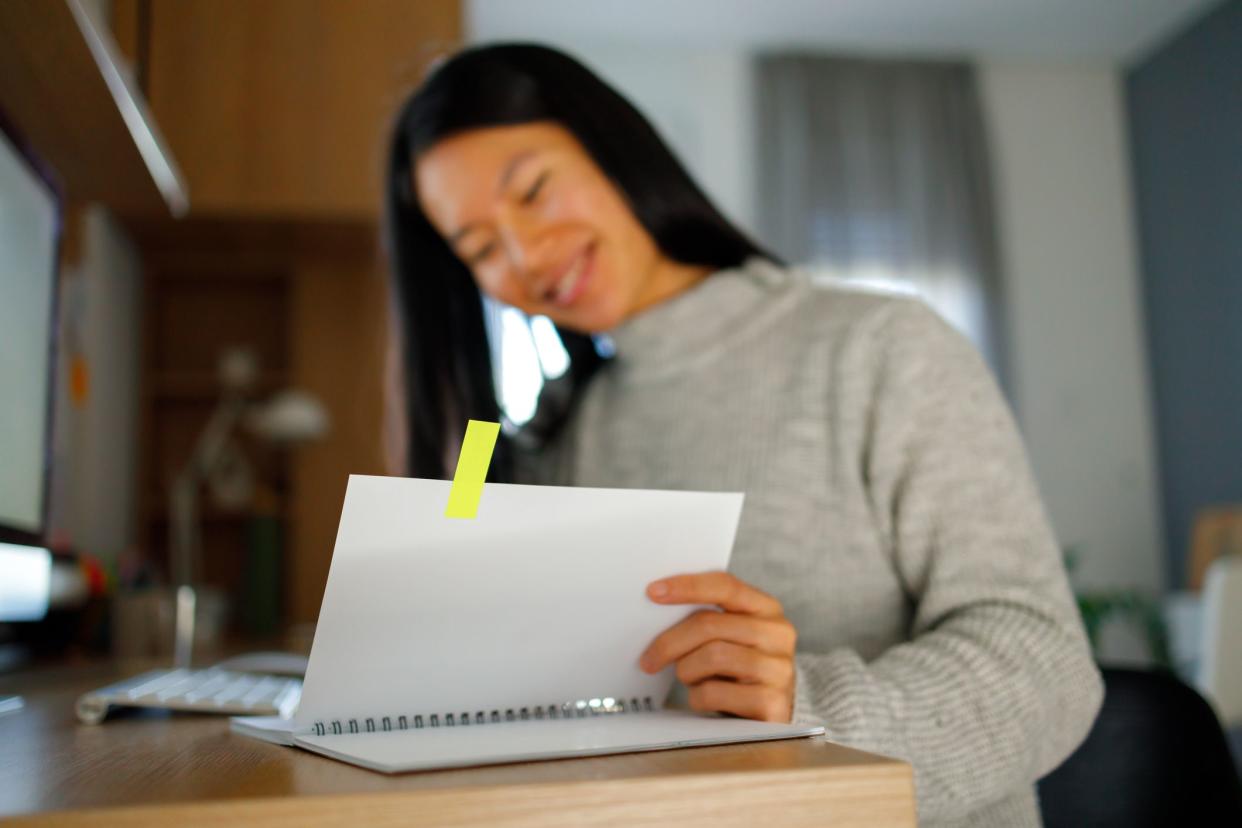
542 228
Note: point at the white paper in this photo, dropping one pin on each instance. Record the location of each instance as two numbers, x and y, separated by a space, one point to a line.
537 601
445 747
275 729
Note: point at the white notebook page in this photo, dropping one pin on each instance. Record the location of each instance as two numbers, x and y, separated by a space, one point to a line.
537 601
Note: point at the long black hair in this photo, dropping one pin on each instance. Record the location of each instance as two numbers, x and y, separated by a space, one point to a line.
447 361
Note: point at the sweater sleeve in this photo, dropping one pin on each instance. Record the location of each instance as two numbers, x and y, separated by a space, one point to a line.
996 684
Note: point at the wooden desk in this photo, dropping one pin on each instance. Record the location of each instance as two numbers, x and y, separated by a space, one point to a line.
161 769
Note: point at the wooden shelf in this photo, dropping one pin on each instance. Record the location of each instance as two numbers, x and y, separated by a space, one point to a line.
206 386
66 90
156 510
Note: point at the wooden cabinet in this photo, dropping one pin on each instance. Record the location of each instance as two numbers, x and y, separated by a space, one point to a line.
63 89
281 107
277 111
339 330
309 300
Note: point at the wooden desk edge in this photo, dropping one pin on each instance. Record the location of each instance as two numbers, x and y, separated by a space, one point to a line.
876 794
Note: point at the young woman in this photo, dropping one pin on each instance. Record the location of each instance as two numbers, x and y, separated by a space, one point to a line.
894 575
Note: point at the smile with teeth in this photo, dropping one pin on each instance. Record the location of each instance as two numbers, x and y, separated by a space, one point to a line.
568 286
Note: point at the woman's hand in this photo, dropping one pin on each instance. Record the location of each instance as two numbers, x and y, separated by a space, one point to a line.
739 661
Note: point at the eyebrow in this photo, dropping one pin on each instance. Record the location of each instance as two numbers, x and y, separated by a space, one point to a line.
510 168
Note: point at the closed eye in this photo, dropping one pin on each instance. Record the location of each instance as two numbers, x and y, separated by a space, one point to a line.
533 192
483 253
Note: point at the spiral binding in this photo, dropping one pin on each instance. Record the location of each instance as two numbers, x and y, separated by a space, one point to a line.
580 709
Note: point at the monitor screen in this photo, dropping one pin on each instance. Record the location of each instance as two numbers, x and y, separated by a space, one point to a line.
29 233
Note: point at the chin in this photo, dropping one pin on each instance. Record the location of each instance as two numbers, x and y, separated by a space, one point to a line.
597 319
588 327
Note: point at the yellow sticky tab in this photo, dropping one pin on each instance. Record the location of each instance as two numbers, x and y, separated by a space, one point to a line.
472 463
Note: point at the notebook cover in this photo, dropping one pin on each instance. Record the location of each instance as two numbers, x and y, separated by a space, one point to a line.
444 747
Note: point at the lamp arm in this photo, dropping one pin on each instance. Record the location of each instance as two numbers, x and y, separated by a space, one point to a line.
183 498
214 435
183 518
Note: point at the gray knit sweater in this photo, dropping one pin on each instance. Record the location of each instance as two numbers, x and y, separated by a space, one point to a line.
889 506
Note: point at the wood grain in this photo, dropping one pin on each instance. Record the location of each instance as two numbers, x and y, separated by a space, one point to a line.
1216 531
338 324
311 298
54 91
282 107
161 769
127 29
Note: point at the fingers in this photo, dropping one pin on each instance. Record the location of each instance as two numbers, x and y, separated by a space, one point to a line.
774 637
739 661
752 701
727 660
720 588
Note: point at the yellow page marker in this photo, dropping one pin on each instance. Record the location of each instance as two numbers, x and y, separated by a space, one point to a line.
472 463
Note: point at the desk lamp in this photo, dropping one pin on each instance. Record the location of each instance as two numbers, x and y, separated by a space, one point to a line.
287 418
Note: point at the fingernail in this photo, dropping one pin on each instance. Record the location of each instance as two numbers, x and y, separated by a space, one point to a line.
658 589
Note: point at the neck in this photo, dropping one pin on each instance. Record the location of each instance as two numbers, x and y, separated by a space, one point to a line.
696 326
668 279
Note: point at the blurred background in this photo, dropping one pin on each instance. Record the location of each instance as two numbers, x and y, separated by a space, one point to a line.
1060 178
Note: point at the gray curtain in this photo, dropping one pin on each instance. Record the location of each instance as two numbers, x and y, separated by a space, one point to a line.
877 171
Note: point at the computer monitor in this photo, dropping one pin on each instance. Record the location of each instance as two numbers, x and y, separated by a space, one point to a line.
30 221
30 208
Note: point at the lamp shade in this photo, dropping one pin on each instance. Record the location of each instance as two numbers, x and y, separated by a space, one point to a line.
290 416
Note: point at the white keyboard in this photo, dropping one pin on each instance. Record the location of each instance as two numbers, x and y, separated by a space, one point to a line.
212 690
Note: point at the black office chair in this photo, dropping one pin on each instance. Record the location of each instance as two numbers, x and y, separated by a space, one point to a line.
1156 756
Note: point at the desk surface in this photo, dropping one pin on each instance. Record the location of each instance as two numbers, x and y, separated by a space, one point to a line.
157 769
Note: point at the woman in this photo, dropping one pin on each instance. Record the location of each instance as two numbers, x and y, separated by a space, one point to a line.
894 576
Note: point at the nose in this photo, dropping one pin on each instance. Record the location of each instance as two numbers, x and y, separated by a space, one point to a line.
527 250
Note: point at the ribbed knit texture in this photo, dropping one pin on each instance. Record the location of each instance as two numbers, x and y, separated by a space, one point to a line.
889 506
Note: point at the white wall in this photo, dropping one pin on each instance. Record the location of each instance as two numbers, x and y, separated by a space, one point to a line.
1078 354
95 449
1111 30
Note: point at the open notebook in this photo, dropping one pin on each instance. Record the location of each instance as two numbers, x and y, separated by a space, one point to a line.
509 637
